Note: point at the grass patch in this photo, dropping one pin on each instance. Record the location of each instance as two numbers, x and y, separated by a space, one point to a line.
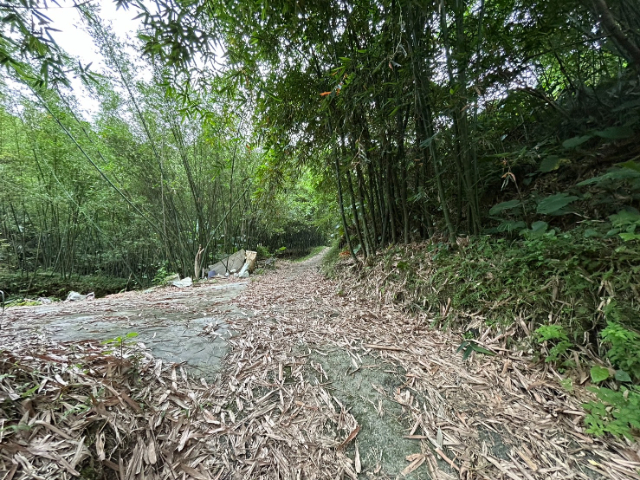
314 251
580 280
555 291
330 261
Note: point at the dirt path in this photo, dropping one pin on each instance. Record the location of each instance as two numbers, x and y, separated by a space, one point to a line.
316 383
414 406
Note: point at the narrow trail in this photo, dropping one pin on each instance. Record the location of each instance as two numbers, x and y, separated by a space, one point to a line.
317 383
406 402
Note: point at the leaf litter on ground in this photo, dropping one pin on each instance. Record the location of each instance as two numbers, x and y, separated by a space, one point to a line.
80 409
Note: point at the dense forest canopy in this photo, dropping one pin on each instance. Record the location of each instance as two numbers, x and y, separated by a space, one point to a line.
429 113
380 122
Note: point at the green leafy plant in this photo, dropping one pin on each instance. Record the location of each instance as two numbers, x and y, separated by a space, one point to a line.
121 342
511 226
615 133
628 172
537 230
263 252
556 335
624 349
576 141
469 346
610 133
617 413
549 164
161 274
625 224
599 374
555 204
504 206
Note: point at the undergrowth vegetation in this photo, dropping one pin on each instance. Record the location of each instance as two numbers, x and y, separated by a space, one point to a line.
557 296
16 285
567 279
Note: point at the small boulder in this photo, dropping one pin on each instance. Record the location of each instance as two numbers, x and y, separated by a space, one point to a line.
185 282
168 280
77 297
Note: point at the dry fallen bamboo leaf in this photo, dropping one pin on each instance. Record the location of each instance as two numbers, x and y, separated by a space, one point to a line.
356 460
264 416
351 436
416 460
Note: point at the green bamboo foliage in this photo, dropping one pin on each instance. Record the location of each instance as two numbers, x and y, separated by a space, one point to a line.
414 116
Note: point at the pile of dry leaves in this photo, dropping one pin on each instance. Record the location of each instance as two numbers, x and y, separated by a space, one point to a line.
86 410
80 410
452 407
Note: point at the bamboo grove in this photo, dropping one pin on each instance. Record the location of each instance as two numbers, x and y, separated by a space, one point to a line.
426 112
414 118
139 189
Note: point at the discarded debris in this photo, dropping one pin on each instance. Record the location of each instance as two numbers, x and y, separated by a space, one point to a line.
230 264
251 258
76 297
244 271
240 262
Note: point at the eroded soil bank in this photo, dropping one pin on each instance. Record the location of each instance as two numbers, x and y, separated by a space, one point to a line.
316 382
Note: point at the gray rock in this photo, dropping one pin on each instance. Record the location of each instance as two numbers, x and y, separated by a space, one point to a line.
171 278
77 297
230 264
185 282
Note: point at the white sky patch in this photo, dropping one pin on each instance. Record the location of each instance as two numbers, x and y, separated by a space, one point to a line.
74 39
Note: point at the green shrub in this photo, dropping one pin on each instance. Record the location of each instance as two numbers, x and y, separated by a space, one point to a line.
624 348
617 413
557 337
263 252
161 274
